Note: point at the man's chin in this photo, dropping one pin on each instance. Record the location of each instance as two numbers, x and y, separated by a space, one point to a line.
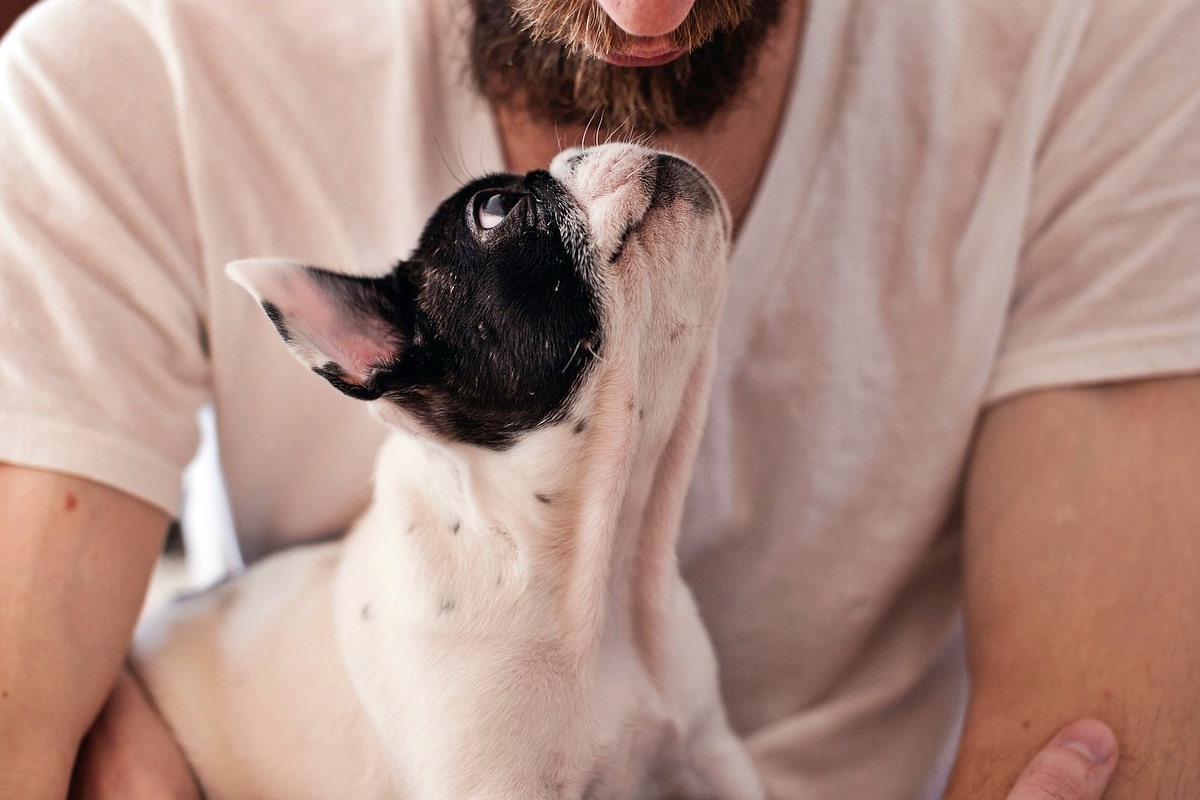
639 85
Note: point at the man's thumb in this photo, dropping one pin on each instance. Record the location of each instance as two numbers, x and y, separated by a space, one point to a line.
1077 764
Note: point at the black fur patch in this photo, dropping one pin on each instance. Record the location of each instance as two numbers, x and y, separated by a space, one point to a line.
489 321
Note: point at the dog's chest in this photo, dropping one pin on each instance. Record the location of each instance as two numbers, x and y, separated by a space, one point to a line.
425 558
451 638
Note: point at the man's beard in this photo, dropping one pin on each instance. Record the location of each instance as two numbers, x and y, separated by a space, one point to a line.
535 56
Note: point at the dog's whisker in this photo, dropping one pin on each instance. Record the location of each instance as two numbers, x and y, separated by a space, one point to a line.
615 131
445 161
586 126
574 353
483 167
462 157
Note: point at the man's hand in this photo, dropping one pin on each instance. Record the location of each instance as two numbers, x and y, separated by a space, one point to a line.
1077 764
130 753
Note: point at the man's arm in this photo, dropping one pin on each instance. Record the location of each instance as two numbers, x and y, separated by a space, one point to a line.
76 560
1082 570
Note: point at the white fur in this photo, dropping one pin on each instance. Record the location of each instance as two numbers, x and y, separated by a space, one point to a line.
468 639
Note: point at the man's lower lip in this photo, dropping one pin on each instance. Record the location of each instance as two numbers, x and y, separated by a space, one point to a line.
628 60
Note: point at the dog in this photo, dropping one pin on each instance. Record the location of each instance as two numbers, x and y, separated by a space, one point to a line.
507 620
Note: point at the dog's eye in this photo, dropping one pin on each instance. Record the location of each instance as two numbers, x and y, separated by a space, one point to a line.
492 207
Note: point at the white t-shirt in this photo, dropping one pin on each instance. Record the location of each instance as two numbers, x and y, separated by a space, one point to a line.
967 201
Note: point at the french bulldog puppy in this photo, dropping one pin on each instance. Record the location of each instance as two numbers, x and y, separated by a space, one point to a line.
507 620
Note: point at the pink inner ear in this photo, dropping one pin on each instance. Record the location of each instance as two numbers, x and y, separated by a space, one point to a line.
322 326
357 343
358 355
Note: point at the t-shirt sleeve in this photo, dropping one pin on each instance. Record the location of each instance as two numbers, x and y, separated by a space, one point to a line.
102 360
1108 288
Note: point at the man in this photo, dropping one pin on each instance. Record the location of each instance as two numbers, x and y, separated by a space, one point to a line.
963 321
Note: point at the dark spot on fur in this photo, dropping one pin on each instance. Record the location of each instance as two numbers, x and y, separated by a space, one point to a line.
641 413
71 502
447 606
454 528
580 426
366 611
542 498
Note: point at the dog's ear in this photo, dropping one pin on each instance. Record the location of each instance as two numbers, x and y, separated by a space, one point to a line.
345 328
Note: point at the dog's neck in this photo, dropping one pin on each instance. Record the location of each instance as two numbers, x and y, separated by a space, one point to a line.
568 536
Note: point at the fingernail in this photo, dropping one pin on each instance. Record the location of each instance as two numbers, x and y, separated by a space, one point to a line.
1091 739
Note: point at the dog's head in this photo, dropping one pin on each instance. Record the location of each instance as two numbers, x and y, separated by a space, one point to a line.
519 287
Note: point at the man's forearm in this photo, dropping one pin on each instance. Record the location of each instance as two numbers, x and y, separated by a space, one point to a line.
39 768
77 557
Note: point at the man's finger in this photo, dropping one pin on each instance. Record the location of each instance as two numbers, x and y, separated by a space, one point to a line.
1077 764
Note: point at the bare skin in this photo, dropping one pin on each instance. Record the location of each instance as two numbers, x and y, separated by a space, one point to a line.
77 559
